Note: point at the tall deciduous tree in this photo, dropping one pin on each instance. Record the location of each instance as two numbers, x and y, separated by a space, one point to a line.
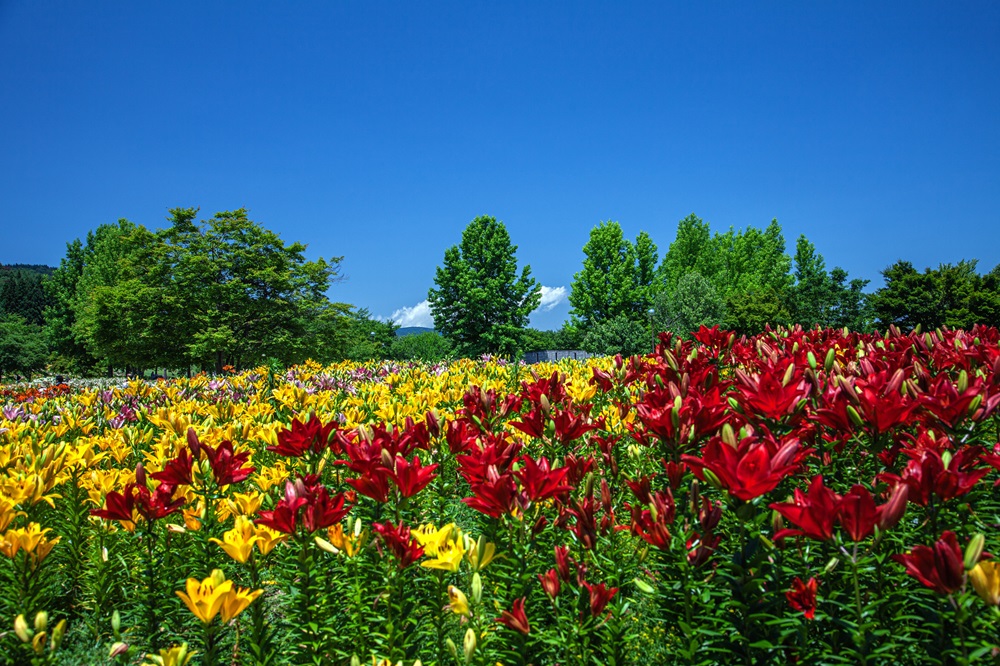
480 302
618 277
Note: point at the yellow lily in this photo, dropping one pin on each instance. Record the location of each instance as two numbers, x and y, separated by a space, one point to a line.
458 603
269 538
238 542
985 578
31 539
205 598
236 602
173 656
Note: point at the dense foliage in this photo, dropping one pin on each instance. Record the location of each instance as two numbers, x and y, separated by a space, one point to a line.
479 300
795 497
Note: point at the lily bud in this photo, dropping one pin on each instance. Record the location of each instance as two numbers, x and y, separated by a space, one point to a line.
963 381
890 513
469 644
118 649
855 418
831 565
41 621
21 629
57 634
712 479
828 360
452 648
194 443
974 551
477 587
116 621
546 406
355 660
789 374
728 436
325 545
811 358
140 475
38 643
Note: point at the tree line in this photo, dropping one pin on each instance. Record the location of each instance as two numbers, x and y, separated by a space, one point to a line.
739 280
225 291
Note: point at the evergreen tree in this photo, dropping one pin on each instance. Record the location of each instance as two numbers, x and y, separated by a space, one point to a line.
480 303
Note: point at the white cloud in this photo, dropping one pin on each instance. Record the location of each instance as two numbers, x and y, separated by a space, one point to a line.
418 315
551 297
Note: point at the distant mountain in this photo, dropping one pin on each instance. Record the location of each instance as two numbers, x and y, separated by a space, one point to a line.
413 330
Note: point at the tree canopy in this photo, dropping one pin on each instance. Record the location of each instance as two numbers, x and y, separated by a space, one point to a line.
480 302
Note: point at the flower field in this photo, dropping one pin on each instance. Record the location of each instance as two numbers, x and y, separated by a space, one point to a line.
795 497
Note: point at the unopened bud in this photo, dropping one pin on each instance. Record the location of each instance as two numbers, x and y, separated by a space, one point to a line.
118 649
325 545
21 629
544 403
728 436
57 634
41 621
854 417
477 587
811 358
974 551
963 381
789 375
831 565
116 621
387 460
38 643
452 648
828 360
193 443
469 644
712 479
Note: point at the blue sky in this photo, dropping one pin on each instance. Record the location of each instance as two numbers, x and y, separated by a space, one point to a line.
377 131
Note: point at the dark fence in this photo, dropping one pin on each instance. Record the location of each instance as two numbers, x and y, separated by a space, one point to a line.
552 356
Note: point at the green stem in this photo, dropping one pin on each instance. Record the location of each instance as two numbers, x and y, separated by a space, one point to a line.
861 638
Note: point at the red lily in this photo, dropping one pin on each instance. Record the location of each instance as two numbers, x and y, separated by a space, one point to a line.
308 503
137 498
411 478
406 549
550 583
599 597
939 567
857 513
312 436
814 511
748 470
926 474
802 597
539 482
515 618
494 498
227 468
177 471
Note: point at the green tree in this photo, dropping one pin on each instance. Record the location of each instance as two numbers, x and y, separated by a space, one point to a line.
429 347
607 286
852 307
60 313
693 303
22 347
811 300
480 303
694 250
368 338
619 335
251 296
22 294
